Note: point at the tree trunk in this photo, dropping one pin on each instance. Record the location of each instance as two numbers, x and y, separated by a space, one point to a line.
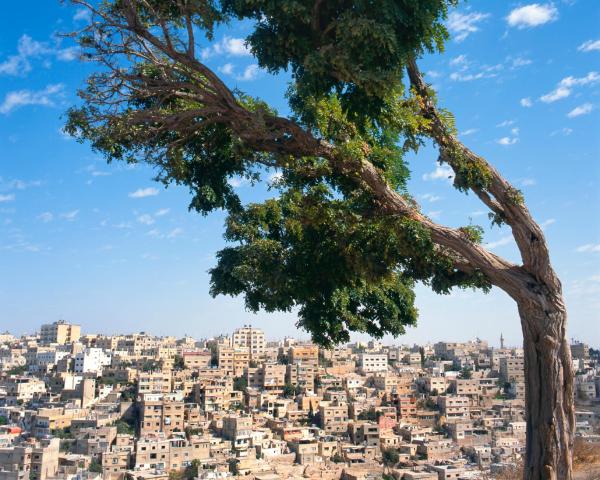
548 389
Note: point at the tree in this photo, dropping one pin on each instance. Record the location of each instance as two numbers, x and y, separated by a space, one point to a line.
240 384
390 457
371 415
343 243
178 363
466 373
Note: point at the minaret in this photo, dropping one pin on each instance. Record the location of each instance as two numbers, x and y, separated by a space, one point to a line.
501 341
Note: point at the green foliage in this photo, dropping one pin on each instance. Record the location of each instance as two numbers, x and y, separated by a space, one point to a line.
125 427
390 457
346 271
371 415
337 458
178 363
466 373
240 384
95 467
290 391
128 394
62 433
3 420
358 52
17 370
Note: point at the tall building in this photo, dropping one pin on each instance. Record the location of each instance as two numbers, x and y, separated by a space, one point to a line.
249 338
580 350
60 332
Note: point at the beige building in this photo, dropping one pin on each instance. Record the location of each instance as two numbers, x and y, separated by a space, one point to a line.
233 361
154 382
160 453
248 338
304 355
161 413
34 461
333 417
60 332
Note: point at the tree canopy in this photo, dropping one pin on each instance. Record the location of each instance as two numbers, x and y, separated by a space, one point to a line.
321 246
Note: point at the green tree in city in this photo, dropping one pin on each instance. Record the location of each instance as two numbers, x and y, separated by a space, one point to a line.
390 457
342 242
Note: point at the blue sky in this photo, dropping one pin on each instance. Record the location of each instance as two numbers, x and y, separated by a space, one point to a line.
104 246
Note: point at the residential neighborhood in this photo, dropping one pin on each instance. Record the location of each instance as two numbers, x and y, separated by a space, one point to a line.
76 405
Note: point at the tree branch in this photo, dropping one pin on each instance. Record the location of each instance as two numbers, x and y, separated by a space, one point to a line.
501 197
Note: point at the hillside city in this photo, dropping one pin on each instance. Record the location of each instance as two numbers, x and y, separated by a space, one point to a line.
137 406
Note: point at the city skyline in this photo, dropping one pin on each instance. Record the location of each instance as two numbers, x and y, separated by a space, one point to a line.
106 247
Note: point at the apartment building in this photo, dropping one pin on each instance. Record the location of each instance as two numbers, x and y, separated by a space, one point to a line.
154 382
251 339
35 460
91 360
60 332
333 417
233 361
373 362
304 355
161 413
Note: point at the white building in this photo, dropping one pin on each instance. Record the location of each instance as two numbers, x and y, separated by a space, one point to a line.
249 338
373 362
91 360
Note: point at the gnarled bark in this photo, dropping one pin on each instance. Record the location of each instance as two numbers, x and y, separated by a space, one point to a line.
548 390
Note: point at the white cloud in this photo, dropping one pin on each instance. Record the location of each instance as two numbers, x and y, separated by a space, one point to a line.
233 46
507 141
526 102
19 98
564 131
519 62
144 192
532 15
469 131
46 217
580 110
460 61
227 69
70 216
430 197
461 25
68 54
486 71
145 219
565 86
506 123
589 46
228 46
7 198
545 224
162 212
82 14
589 247
176 232
237 182
440 172
528 182
28 48
250 73
500 242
